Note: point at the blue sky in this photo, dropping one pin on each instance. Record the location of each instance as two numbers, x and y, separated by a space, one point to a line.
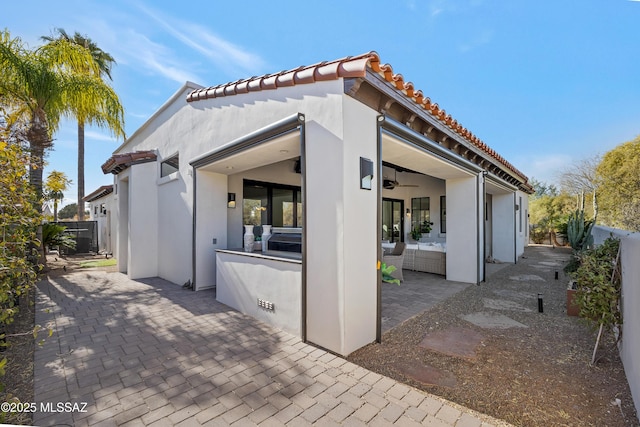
545 83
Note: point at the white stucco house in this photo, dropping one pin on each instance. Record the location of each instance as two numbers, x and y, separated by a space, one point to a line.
338 157
100 210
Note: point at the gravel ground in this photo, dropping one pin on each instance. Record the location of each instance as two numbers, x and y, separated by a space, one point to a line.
538 375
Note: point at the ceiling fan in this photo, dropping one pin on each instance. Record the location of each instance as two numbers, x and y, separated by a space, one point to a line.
391 184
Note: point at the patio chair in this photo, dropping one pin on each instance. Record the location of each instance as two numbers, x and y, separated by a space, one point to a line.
396 258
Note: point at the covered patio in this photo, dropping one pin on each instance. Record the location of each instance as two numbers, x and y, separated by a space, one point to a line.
419 292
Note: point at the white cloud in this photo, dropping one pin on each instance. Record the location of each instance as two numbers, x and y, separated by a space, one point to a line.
140 52
97 136
222 53
546 168
131 48
482 38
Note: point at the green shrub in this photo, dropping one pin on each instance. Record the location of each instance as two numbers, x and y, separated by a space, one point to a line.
599 284
386 271
53 235
538 234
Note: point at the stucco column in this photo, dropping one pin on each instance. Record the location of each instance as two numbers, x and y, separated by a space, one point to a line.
504 235
143 221
211 224
463 237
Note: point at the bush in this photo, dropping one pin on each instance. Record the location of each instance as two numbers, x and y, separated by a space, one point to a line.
18 223
53 235
598 284
538 234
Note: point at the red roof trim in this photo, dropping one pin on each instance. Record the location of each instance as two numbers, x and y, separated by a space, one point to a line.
99 193
119 162
349 67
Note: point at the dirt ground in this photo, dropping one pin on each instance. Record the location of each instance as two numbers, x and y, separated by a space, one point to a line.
529 376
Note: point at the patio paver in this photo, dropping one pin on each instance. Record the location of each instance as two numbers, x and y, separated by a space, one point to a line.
149 353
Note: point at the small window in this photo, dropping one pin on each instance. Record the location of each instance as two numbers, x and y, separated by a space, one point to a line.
95 210
520 213
420 215
169 166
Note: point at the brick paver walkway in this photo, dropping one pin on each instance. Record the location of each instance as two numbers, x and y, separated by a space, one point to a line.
148 353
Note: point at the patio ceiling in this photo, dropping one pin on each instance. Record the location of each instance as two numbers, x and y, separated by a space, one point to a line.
271 151
403 154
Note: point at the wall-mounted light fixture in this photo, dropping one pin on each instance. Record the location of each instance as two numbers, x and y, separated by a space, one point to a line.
408 213
231 200
366 173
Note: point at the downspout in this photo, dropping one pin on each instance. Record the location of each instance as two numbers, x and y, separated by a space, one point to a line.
515 227
193 231
484 224
303 174
478 234
379 122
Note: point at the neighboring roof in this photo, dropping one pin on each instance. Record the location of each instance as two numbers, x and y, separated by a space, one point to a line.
350 67
99 193
119 162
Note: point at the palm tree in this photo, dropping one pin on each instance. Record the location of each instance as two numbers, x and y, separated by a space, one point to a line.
38 87
57 182
104 62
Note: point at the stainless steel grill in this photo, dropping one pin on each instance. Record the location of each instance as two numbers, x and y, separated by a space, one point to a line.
285 240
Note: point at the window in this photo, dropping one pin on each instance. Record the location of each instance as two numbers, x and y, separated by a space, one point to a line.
169 166
520 212
275 204
443 214
420 216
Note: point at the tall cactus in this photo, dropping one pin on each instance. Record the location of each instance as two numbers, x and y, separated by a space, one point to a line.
579 231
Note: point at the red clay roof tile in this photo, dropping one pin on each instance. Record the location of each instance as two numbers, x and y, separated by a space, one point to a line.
348 67
99 193
119 162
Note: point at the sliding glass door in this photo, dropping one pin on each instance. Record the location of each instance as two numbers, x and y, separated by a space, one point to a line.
392 220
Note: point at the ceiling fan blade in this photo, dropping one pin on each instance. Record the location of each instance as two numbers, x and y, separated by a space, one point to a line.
389 184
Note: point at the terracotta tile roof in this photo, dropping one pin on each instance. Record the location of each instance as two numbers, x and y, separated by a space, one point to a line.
119 162
100 192
347 67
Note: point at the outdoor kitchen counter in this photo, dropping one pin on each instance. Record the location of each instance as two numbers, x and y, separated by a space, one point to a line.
267 286
274 255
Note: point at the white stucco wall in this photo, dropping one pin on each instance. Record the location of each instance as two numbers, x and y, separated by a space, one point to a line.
462 229
630 348
325 233
143 221
360 228
504 217
630 303
96 213
211 220
121 197
191 129
243 279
